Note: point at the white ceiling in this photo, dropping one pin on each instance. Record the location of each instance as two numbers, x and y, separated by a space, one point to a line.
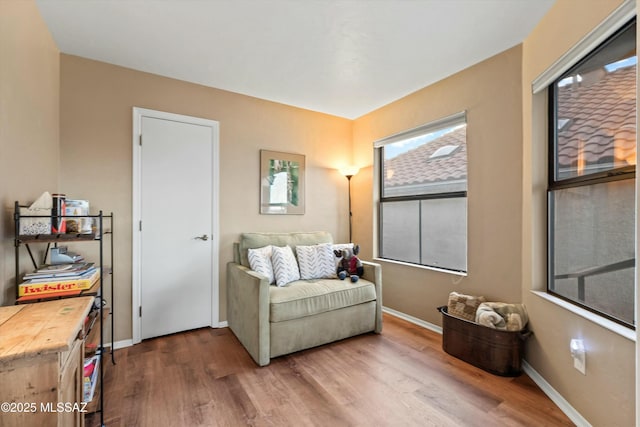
341 57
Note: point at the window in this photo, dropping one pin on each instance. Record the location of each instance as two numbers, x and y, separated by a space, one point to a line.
423 195
591 200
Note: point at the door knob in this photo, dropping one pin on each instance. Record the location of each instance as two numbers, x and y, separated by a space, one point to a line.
203 237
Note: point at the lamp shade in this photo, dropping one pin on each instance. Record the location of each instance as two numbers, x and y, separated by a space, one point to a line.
349 171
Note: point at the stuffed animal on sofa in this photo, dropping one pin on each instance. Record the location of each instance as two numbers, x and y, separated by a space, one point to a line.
349 265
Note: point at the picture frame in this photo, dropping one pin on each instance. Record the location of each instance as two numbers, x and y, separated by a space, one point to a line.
282 182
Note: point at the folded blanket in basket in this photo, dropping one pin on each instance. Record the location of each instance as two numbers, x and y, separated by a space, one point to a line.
500 315
463 306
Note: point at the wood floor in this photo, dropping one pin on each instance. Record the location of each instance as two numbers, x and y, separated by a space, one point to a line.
399 378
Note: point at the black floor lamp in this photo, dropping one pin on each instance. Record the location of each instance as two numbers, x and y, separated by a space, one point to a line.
349 171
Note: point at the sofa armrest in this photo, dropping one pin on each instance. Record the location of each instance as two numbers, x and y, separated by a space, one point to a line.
248 310
373 273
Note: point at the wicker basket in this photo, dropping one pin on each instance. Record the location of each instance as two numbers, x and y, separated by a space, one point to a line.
496 351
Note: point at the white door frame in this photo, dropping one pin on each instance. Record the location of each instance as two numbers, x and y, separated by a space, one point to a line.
138 114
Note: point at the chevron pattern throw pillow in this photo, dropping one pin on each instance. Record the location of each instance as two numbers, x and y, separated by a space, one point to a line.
260 261
316 261
285 266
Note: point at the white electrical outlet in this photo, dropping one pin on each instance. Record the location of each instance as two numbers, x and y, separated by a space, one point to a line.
579 355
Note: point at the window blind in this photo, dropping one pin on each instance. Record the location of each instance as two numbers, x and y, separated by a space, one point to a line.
443 123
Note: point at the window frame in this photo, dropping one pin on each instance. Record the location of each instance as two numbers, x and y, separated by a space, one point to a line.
444 123
555 184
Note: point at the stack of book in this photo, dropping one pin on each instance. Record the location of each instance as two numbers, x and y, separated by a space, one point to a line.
52 280
90 377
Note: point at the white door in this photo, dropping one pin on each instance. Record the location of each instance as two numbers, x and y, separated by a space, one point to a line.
176 242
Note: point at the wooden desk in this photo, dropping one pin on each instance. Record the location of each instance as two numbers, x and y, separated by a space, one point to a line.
41 363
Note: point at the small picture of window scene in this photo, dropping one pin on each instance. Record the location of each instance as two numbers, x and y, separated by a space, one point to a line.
283 179
282 183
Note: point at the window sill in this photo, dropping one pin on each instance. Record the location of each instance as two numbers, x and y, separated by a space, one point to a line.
627 333
422 267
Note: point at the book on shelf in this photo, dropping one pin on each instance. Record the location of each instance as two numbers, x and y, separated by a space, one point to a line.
84 274
60 270
90 377
47 297
43 286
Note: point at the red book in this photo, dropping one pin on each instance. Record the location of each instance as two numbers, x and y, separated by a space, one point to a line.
49 296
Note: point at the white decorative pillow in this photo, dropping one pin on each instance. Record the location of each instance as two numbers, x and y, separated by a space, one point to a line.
340 247
260 261
316 261
285 266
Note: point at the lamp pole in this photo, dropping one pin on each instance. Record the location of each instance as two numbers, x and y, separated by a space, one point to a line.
349 172
350 213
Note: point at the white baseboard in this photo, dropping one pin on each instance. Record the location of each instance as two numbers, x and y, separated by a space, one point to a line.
546 388
411 319
122 344
223 324
556 397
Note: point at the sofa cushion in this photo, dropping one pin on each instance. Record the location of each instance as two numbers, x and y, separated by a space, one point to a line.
308 297
316 261
258 240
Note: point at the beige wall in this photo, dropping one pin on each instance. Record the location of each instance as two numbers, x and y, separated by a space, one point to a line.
96 157
29 122
610 379
507 226
490 92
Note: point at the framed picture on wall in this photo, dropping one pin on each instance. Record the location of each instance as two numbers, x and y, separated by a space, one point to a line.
281 183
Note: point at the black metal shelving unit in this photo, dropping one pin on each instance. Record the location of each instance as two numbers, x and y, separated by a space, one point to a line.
55 239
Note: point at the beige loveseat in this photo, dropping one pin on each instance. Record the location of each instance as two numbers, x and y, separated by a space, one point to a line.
271 321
